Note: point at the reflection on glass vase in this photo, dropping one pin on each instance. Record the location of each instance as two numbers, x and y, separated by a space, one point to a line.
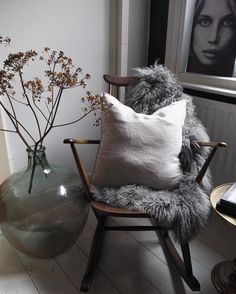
47 220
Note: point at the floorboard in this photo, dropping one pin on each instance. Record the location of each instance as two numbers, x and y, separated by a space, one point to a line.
131 263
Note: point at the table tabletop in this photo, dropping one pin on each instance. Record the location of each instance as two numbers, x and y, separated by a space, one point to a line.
215 196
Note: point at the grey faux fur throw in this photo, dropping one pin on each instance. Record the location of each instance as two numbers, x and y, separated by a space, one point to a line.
185 209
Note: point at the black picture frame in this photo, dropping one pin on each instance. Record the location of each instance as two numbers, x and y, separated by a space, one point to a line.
180 21
212 41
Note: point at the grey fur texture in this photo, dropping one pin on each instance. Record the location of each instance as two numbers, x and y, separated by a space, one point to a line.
185 209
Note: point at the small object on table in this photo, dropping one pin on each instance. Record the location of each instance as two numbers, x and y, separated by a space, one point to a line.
227 202
223 274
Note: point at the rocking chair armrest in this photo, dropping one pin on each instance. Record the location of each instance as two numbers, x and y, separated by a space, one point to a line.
214 146
84 177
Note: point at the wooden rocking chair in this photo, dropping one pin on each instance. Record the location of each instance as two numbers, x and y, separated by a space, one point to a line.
104 211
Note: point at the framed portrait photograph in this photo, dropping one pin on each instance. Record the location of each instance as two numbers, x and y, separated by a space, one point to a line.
201 44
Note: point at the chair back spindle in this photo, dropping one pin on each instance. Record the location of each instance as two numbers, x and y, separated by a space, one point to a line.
81 170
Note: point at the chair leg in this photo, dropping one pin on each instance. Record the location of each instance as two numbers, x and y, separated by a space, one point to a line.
93 255
184 266
187 259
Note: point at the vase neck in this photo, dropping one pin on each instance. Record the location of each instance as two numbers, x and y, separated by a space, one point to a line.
38 156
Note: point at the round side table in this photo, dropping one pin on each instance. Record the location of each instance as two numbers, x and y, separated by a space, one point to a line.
223 274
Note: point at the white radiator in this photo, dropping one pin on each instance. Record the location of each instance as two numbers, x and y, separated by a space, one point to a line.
220 121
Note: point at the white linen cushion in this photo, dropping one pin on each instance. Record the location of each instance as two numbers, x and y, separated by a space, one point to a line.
139 149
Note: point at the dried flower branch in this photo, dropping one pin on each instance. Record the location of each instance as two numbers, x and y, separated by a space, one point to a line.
41 97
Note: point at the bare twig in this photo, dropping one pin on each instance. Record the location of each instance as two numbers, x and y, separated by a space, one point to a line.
51 117
12 118
72 122
10 131
29 104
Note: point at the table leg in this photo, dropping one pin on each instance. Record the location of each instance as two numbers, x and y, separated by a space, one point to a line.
223 276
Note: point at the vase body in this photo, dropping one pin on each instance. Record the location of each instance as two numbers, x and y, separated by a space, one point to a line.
45 220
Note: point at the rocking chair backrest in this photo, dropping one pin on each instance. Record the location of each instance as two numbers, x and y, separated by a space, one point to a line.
114 84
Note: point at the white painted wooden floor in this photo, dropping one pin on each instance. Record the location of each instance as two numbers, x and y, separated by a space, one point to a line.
132 263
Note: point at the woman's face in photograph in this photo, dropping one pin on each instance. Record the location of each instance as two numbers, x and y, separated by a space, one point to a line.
214 32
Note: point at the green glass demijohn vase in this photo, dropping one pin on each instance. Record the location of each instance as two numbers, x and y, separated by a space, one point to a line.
45 207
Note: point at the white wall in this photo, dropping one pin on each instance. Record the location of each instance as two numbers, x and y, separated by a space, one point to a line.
79 28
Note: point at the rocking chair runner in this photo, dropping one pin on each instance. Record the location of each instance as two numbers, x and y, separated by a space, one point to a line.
104 211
